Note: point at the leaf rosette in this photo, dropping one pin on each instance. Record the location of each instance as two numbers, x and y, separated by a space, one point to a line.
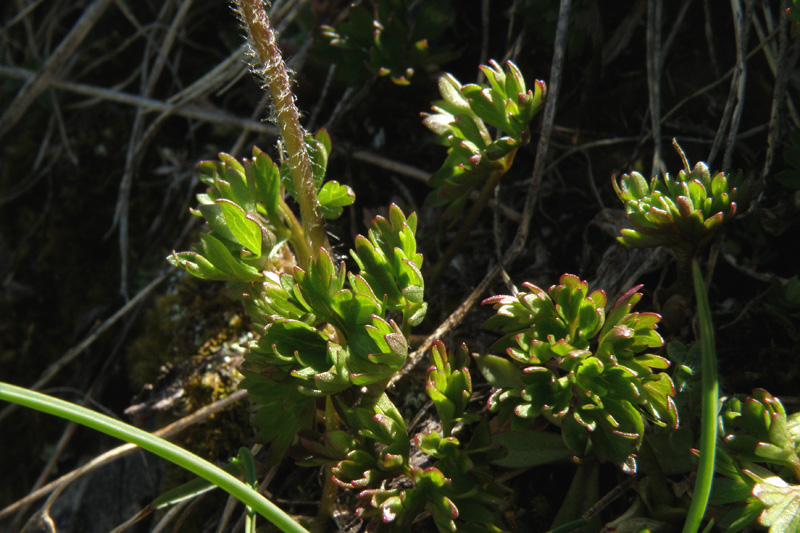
461 121
326 330
683 213
396 482
582 365
247 216
758 464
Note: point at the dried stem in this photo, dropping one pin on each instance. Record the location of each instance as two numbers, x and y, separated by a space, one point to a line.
471 219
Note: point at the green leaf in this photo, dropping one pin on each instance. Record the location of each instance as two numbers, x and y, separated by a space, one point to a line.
782 502
266 179
244 229
499 372
237 189
529 448
160 447
333 197
217 255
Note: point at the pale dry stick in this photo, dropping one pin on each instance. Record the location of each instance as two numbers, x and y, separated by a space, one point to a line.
226 70
169 516
769 51
62 130
21 15
779 66
113 54
787 58
323 94
39 83
219 75
134 153
348 101
619 41
121 451
705 89
742 35
654 62
75 351
727 113
510 32
521 236
72 426
676 26
710 37
36 173
601 143
258 111
48 468
279 10
211 115
32 47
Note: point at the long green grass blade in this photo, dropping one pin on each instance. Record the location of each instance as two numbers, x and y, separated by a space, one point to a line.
156 445
710 407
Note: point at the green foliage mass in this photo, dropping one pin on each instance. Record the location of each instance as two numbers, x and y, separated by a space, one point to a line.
582 365
461 121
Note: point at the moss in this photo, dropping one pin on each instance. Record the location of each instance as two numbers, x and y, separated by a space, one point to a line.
191 319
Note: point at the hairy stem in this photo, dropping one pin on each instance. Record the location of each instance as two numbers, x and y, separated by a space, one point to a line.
298 237
262 38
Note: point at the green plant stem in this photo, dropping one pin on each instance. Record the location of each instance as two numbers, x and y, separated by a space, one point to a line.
298 238
472 217
162 448
262 38
329 487
710 407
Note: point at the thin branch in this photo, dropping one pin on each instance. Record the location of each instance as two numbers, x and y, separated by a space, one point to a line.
205 114
54 64
75 351
654 63
742 36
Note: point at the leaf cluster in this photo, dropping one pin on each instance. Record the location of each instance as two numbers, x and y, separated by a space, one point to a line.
324 329
682 213
323 335
245 209
758 464
582 365
387 38
461 121
397 480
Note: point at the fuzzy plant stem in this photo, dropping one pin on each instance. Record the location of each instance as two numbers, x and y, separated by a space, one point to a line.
273 70
710 407
472 217
162 448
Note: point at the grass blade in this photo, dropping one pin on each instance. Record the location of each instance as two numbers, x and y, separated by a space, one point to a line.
156 445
